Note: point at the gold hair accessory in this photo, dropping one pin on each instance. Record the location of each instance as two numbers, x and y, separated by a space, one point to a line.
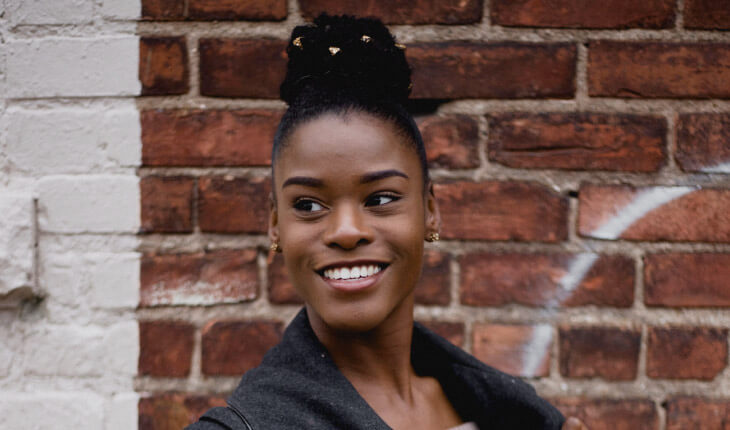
297 42
400 46
334 50
365 38
433 237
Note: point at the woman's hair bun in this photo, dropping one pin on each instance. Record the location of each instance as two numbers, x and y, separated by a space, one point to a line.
344 57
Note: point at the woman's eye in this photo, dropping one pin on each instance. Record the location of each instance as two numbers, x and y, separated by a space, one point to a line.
305 205
380 199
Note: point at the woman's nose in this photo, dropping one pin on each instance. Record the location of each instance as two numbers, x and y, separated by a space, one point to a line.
347 228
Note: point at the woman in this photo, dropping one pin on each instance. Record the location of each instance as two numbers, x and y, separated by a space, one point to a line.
351 208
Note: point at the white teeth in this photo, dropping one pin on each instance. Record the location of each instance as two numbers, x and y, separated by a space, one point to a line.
351 272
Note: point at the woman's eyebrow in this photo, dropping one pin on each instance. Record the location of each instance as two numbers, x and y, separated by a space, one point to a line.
381 174
303 180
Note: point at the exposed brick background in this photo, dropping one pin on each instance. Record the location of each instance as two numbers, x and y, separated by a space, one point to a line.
580 157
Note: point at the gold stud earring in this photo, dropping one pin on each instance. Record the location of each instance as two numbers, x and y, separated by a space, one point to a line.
298 42
433 237
274 247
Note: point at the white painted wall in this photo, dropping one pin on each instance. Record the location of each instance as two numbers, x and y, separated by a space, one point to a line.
69 203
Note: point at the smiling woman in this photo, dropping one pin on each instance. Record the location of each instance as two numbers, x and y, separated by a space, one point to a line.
351 208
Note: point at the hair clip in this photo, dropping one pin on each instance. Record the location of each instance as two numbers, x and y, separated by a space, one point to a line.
298 42
365 38
400 46
334 50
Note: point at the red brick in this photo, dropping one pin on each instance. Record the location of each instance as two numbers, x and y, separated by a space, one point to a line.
622 211
242 67
686 352
177 10
707 14
451 331
233 205
208 137
698 413
702 142
499 279
583 141
166 204
163 65
233 347
502 211
281 290
453 70
451 141
222 276
167 411
610 414
578 14
520 350
687 280
433 287
165 348
400 11
657 69
604 352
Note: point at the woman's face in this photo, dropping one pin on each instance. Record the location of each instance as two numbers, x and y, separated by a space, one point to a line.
351 216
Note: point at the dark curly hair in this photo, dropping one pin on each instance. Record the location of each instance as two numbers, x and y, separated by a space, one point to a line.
342 64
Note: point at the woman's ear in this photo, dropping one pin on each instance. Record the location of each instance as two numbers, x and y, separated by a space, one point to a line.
273 220
433 216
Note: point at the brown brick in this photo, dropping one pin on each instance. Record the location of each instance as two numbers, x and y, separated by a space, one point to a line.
686 352
166 204
499 279
578 14
698 413
453 70
502 211
222 276
208 137
400 11
702 142
604 352
167 411
707 14
177 10
165 348
451 331
451 141
583 141
163 65
520 350
657 69
610 414
242 67
621 211
687 280
233 347
433 287
281 290
233 205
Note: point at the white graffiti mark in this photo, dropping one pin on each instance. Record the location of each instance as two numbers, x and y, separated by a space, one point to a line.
536 348
717 168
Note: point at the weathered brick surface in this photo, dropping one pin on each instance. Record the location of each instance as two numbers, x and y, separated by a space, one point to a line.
697 413
163 65
687 280
702 142
448 70
707 14
520 350
685 214
208 137
582 141
166 204
686 352
498 279
451 141
501 211
576 14
175 10
221 276
609 414
166 348
400 11
242 67
233 205
233 347
165 411
658 69
453 332
599 352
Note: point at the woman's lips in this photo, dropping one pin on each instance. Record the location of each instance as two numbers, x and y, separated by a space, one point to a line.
355 284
